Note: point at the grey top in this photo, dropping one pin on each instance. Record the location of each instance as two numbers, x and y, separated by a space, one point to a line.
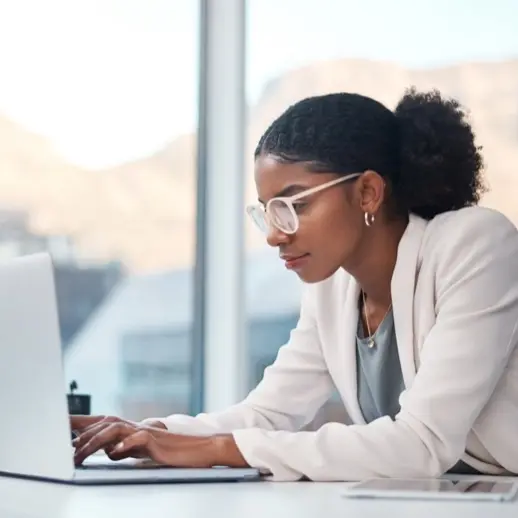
378 369
380 379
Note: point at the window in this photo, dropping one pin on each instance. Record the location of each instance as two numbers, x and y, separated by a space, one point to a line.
297 49
155 372
98 112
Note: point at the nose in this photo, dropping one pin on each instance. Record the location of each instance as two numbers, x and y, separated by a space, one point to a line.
276 237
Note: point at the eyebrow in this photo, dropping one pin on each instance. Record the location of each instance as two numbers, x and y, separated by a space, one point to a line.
289 190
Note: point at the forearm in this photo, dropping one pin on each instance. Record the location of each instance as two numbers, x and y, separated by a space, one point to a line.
226 452
250 413
219 449
337 452
196 452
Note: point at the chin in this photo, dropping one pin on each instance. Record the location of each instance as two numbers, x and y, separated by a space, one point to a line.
313 276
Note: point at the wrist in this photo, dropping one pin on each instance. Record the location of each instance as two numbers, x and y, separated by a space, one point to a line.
226 452
153 424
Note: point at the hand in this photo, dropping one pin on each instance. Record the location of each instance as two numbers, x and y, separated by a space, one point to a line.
81 423
86 426
121 439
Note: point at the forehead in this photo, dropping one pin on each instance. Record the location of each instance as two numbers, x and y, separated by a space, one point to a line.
273 177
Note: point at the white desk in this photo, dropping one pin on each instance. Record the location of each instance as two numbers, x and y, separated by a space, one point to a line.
27 499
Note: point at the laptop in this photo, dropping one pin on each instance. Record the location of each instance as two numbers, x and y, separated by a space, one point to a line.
35 435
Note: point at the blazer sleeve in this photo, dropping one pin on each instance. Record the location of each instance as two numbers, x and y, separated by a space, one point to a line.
291 392
462 359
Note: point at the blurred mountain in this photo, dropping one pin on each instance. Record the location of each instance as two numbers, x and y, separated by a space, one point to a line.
142 212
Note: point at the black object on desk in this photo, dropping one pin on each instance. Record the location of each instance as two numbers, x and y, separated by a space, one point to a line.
78 404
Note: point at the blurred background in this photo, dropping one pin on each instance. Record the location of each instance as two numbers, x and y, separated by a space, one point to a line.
98 157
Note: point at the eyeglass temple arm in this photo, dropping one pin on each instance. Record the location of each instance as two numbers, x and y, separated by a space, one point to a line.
319 188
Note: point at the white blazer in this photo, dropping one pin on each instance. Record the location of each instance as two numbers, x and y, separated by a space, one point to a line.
455 303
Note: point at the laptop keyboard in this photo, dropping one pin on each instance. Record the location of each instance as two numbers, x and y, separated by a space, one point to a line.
104 463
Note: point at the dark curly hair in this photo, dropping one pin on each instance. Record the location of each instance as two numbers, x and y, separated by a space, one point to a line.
425 148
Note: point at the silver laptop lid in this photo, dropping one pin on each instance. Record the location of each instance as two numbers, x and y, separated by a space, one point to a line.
35 436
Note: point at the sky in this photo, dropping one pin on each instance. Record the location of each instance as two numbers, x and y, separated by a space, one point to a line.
107 81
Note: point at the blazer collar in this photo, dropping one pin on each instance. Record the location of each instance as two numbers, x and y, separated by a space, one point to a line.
403 289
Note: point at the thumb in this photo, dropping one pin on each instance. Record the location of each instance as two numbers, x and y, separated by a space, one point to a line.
143 442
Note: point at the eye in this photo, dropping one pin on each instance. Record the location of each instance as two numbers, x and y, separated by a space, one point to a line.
299 206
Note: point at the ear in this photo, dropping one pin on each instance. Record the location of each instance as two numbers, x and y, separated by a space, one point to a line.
371 188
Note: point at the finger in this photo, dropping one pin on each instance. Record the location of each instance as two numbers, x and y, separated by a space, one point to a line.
115 454
105 437
89 433
136 452
139 443
80 422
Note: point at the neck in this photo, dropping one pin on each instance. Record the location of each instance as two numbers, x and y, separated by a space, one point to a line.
379 253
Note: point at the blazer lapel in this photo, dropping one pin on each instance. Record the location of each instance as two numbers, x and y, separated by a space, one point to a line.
403 290
348 377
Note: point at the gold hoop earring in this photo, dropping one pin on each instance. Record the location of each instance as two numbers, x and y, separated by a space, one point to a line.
369 219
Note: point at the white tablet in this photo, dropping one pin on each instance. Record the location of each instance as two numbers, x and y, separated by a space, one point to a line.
434 489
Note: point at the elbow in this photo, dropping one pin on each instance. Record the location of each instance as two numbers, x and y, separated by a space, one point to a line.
429 452
444 463
437 461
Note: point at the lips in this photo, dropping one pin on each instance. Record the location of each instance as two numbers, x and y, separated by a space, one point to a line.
293 262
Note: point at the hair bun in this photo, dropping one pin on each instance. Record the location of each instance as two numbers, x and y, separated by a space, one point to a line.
439 162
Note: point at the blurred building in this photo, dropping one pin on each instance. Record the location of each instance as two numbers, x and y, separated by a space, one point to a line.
80 285
80 289
134 354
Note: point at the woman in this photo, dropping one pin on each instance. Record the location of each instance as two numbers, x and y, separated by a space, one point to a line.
410 308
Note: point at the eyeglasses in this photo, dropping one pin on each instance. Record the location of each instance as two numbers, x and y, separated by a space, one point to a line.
281 213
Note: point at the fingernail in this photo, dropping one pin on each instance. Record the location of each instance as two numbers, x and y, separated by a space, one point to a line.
119 446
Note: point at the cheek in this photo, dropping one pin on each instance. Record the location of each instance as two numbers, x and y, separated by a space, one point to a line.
331 237
332 226
337 217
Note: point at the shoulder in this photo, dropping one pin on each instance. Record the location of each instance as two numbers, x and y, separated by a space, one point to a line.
471 243
478 221
468 230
